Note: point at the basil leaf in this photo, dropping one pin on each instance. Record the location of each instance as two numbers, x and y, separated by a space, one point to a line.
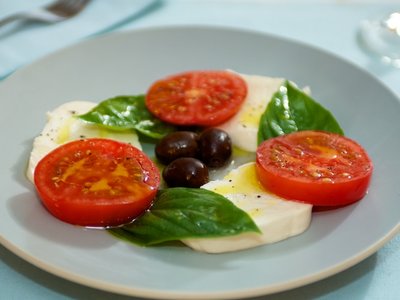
291 110
127 112
180 213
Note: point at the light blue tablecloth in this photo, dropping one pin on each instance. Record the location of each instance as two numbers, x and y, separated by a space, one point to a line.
331 25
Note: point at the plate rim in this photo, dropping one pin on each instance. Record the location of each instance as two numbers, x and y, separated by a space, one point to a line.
160 294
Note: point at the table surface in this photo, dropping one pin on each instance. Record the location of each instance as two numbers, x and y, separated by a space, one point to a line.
377 277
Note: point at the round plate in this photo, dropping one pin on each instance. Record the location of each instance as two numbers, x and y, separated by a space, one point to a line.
127 63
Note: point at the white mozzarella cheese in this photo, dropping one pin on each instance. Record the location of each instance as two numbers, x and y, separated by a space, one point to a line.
63 126
277 218
243 127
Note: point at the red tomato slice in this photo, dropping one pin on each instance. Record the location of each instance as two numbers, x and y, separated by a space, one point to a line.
203 98
320 168
96 182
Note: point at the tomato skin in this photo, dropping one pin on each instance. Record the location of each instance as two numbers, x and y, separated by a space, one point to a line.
323 176
199 98
96 182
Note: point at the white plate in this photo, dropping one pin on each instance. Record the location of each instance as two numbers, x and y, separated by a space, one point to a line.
126 64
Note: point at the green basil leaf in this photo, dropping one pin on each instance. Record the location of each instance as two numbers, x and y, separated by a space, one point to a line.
180 213
291 110
127 112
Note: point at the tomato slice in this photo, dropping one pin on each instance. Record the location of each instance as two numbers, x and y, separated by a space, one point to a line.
202 98
320 168
96 182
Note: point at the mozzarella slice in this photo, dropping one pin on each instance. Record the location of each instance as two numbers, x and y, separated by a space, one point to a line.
63 126
243 127
277 218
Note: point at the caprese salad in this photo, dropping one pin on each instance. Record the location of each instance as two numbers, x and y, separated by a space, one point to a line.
232 161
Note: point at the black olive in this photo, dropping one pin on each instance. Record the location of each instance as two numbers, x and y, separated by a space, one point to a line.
177 144
186 172
215 147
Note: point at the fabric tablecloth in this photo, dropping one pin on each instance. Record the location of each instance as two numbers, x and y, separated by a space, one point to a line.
330 25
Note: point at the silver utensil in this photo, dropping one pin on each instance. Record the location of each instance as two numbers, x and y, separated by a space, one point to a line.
58 11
